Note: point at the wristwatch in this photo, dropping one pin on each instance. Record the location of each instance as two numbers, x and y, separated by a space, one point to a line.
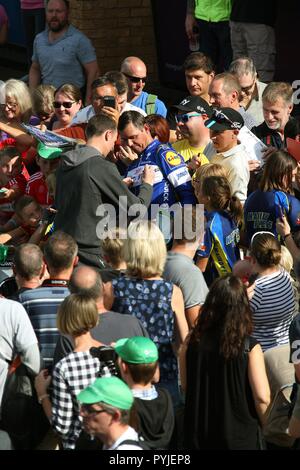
41 398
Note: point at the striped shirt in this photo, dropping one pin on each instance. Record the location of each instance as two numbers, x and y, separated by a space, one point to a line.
70 376
273 305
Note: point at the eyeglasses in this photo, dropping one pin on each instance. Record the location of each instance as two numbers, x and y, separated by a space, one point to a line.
90 411
136 79
65 104
12 106
247 89
185 117
218 116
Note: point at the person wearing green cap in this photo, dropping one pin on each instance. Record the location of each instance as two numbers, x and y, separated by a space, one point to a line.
138 363
105 410
47 159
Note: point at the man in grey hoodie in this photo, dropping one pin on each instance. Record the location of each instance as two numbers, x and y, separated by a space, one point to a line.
85 182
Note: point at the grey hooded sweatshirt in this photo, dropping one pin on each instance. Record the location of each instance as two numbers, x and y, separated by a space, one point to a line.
85 180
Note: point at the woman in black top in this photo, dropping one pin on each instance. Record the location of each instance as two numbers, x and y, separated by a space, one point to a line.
223 373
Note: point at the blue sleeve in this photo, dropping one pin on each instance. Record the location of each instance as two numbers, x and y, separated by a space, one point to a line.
206 246
294 213
85 51
175 170
282 205
160 108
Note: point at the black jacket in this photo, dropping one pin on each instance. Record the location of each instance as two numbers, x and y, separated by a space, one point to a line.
255 11
85 181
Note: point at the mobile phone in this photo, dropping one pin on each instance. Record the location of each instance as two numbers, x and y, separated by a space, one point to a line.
109 101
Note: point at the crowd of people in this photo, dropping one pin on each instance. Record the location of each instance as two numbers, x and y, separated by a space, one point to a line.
155 249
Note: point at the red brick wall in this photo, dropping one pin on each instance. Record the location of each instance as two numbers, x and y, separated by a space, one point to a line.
117 28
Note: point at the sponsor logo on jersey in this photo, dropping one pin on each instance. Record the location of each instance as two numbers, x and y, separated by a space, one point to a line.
173 158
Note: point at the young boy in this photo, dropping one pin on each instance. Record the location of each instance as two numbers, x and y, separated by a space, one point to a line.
138 362
33 223
13 180
48 160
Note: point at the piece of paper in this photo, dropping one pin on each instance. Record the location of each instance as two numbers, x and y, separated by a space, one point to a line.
293 147
49 138
253 145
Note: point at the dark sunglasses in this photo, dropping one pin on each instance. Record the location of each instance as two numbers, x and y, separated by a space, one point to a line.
136 79
88 409
247 89
65 104
185 117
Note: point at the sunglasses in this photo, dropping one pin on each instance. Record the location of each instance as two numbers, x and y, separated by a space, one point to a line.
185 117
218 116
65 104
136 79
88 409
247 89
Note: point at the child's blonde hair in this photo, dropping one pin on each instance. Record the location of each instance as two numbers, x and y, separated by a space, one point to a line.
209 169
286 259
113 246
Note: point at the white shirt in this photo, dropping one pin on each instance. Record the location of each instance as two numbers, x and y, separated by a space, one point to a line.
131 434
85 114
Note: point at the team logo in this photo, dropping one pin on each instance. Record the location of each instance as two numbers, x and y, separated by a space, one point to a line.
173 158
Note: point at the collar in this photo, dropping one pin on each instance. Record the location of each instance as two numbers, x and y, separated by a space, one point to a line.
146 394
237 149
55 283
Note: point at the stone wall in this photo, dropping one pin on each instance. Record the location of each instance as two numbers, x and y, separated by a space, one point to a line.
117 28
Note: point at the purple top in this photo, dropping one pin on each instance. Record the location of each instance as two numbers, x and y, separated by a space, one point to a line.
3 16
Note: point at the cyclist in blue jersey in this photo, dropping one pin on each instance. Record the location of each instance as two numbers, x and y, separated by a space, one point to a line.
172 182
224 212
273 198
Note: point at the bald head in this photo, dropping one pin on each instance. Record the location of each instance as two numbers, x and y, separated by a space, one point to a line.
86 280
134 69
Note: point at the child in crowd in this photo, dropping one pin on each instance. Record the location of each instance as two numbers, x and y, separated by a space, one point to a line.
13 180
223 213
138 362
48 160
113 254
33 226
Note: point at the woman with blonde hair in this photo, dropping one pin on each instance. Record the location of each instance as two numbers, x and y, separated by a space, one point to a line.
158 304
77 315
16 109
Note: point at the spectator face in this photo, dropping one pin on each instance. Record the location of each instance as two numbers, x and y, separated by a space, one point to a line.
47 166
95 420
224 140
12 109
135 138
247 83
65 114
136 77
10 167
57 15
98 94
276 114
31 214
191 126
218 97
197 82
121 102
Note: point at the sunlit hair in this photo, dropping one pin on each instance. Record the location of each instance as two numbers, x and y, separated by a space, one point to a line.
209 169
278 172
230 83
71 91
145 250
19 92
159 127
218 189
77 314
265 248
286 259
113 246
225 316
42 100
242 66
275 90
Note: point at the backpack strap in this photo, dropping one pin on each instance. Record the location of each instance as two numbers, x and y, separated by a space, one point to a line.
132 442
150 104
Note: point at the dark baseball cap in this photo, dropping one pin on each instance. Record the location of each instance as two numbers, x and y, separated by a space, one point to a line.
225 119
194 103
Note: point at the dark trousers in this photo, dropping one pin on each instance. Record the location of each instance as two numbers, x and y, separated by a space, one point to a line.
34 23
215 42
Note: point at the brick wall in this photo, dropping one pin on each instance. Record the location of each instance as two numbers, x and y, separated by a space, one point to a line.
117 28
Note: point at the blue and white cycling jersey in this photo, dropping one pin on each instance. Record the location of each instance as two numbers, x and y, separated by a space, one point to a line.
262 208
172 182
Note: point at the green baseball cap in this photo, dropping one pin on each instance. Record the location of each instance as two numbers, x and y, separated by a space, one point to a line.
48 153
110 390
137 350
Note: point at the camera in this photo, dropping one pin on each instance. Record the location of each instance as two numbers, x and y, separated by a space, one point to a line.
109 101
108 361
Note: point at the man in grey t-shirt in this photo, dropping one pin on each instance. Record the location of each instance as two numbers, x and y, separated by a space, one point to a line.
61 53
